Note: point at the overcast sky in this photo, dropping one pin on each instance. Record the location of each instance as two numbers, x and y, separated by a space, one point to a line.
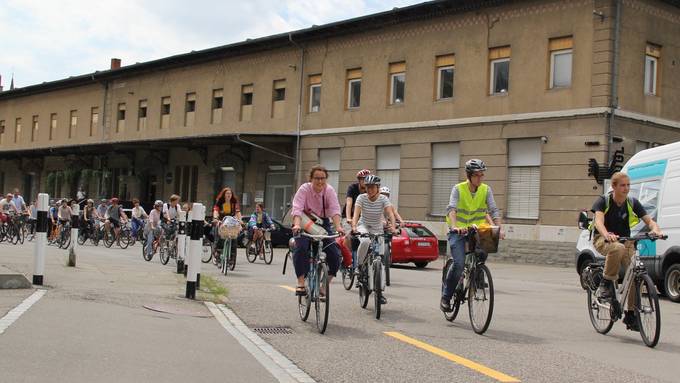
46 40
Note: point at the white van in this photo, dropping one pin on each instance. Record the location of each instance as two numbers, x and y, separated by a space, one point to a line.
655 181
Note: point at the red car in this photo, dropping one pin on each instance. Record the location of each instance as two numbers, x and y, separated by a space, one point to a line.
416 244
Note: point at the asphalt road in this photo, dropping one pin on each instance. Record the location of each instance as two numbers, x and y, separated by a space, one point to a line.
91 324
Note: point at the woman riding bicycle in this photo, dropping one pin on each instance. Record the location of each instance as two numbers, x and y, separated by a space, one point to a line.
89 215
317 197
153 226
258 220
368 213
226 204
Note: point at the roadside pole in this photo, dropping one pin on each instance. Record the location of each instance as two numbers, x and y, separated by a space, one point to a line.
40 239
74 235
181 241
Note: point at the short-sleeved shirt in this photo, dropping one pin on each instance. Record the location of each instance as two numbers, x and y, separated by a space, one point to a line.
64 213
372 212
154 218
5 206
352 192
138 212
19 202
114 212
170 210
102 209
616 219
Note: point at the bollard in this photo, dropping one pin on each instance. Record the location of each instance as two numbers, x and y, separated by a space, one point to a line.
194 250
199 229
40 239
74 234
181 240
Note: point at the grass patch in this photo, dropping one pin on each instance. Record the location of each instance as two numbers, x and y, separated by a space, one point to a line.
211 290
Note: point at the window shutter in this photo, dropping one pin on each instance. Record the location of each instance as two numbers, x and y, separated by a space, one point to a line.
247 88
523 192
443 181
353 74
561 43
399 67
279 84
389 157
390 178
653 50
315 79
330 159
445 60
499 53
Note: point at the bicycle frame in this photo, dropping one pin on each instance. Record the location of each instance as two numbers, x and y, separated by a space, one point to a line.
635 269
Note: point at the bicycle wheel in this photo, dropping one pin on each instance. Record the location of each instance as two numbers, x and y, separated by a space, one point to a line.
108 239
12 233
232 257
251 251
321 304
647 311
147 255
600 314
388 264
364 293
66 239
164 251
377 286
124 238
480 299
206 250
268 252
21 233
224 257
347 277
305 302
82 236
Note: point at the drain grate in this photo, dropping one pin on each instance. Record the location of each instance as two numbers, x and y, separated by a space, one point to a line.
273 330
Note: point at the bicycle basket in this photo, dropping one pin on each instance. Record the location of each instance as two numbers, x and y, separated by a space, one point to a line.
488 238
230 228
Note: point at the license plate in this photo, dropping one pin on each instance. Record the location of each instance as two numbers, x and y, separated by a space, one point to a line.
423 244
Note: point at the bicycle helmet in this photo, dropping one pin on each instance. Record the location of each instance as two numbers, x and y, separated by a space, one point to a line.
372 180
475 165
158 203
363 173
90 201
385 190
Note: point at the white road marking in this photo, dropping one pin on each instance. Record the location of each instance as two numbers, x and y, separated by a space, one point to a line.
282 368
18 311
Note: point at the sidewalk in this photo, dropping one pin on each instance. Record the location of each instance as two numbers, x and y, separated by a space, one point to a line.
91 325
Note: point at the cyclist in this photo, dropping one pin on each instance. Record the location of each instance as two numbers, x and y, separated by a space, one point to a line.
64 213
171 209
469 204
317 197
258 221
7 208
115 216
226 204
615 215
353 191
101 209
19 202
384 190
153 226
89 216
138 216
368 213
54 216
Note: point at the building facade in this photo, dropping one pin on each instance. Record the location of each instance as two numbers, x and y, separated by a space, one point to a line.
534 88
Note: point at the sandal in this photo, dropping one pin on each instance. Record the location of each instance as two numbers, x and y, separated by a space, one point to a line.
301 291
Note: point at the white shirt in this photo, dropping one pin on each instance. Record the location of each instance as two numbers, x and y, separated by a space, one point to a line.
138 212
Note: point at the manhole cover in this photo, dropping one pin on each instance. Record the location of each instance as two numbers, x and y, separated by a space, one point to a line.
200 313
273 330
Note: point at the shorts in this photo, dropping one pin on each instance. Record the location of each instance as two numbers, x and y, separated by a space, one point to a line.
114 222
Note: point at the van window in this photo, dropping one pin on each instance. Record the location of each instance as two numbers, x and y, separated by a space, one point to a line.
648 194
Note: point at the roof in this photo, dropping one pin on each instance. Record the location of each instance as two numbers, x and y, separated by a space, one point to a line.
421 11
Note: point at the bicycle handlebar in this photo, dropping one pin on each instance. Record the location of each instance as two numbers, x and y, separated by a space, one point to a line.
640 237
319 237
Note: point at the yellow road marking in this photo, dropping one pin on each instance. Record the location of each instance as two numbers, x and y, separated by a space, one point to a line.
287 288
499 376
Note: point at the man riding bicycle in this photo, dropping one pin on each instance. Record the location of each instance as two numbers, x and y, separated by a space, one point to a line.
153 226
615 215
368 213
258 220
7 208
115 216
469 204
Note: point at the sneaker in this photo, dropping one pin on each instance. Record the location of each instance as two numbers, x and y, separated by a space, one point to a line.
630 321
383 300
604 291
445 305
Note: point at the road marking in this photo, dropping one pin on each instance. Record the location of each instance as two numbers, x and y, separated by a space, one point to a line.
287 288
18 311
282 368
499 376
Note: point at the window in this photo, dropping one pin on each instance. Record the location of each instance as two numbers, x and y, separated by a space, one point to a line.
186 181
94 120
652 56
34 128
330 159
2 132
524 178
120 119
246 102
189 109
53 126
388 164
560 62
17 130
445 67
647 192
141 115
73 127
314 93
216 107
165 112
445 164
354 88
499 65
278 98
397 82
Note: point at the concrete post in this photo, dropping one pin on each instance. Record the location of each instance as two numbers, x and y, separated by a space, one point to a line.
40 239
181 240
197 213
74 235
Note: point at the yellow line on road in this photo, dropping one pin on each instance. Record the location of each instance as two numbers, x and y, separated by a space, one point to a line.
287 288
499 376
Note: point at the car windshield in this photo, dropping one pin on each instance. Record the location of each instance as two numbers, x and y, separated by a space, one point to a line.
418 231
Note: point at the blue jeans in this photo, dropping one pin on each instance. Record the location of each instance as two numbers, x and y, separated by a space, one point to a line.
457 244
149 240
136 225
301 254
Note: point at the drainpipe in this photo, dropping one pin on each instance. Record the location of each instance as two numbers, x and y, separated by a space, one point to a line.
299 111
615 80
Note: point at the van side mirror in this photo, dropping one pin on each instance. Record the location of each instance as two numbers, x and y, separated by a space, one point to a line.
584 220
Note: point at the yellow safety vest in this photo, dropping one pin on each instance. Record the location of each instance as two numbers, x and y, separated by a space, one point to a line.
633 219
470 211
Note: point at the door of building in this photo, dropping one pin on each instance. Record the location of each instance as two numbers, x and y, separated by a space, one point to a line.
279 194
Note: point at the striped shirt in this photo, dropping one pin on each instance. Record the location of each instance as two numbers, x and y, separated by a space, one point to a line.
372 211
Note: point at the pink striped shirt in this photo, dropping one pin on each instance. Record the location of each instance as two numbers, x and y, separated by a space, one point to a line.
306 199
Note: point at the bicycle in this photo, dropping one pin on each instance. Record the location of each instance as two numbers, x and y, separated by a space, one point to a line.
476 281
228 232
155 245
348 273
603 313
87 231
64 238
261 246
371 275
122 238
316 281
168 242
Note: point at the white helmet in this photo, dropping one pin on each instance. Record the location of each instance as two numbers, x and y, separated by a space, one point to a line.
158 203
384 190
